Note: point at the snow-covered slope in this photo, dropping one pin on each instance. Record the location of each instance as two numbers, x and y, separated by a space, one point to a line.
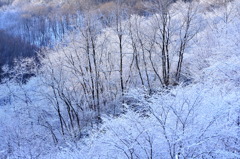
199 119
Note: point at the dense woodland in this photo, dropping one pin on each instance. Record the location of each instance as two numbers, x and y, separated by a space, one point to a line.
41 24
134 79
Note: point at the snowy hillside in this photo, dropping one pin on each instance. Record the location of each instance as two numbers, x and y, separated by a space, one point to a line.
166 85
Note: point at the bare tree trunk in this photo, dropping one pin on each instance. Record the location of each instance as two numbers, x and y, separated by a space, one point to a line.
135 53
119 17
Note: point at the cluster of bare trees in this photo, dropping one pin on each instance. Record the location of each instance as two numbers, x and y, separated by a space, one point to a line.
89 75
43 26
44 23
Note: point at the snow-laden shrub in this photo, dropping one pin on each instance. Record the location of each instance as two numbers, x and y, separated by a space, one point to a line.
191 122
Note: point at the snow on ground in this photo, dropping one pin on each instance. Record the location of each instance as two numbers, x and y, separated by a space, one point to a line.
199 120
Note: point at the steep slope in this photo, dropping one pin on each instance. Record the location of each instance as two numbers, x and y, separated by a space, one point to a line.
198 118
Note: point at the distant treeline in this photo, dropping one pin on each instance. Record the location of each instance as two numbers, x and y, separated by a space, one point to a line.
12 49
